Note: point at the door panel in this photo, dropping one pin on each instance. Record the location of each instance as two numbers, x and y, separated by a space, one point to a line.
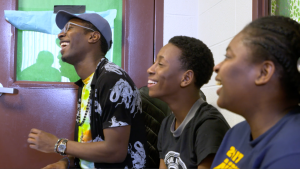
51 110
51 106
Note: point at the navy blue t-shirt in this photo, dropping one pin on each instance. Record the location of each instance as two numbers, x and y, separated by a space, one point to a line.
279 147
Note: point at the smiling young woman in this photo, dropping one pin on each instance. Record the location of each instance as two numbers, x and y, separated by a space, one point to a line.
261 82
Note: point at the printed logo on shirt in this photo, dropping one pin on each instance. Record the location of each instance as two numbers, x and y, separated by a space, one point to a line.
123 94
98 108
173 160
234 157
111 67
139 156
115 123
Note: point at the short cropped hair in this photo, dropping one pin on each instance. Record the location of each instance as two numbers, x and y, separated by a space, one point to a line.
195 56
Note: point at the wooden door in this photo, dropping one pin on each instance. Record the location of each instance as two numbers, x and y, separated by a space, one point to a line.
51 106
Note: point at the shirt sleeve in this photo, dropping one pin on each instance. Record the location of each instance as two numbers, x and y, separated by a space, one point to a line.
209 137
118 99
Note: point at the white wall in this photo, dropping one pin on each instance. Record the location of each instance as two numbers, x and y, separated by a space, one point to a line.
215 22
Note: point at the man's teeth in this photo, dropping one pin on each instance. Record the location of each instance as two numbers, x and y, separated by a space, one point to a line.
218 83
64 44
152 82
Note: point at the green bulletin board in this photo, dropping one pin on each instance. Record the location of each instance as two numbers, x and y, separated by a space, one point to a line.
43 68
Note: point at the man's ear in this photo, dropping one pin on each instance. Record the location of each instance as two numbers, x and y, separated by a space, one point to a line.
94 37
187 78
265 72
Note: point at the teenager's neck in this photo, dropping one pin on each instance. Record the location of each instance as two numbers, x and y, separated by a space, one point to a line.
181 105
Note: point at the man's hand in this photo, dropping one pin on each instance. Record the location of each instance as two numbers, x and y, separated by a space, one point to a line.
58 165
41 141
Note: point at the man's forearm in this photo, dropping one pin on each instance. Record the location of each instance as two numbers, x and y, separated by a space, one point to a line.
98 152
112 150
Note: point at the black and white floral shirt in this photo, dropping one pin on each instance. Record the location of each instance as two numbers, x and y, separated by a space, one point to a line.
116 102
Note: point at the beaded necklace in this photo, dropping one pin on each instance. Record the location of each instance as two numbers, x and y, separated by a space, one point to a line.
88 104
86 111
87 107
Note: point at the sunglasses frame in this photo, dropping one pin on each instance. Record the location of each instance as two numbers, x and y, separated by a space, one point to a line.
66 28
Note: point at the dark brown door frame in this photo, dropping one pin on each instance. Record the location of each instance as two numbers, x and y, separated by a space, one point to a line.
260 8
138 56
158 27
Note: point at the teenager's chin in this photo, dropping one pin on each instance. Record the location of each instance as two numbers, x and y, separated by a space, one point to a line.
220 103
152 94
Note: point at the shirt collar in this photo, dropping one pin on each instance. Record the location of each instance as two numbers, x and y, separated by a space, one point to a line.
187 119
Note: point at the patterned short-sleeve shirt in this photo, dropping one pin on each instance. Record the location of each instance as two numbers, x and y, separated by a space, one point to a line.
116 102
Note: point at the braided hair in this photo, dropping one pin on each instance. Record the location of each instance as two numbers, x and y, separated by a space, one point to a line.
195 56
277 38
